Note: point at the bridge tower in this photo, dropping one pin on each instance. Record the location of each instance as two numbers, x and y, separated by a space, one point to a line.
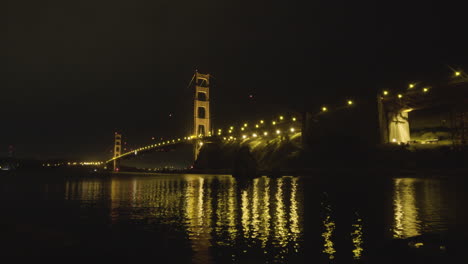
117 149
201 110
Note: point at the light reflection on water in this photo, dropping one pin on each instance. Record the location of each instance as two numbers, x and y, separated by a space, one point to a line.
419 207
266 216
213 209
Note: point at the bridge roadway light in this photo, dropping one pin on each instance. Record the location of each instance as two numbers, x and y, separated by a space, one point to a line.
457 73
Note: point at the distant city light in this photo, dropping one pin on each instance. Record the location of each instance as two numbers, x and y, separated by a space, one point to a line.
278 131
274 123
350 102
242 128
425 90
324 109
411 85
294 119
385 92
281 117
261 121
245 124
400 95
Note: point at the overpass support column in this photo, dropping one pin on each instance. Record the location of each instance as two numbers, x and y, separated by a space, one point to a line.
201 110
117 149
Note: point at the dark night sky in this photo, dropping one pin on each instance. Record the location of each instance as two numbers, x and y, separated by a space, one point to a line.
73 72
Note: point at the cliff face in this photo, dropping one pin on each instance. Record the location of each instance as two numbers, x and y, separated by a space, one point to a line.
269 153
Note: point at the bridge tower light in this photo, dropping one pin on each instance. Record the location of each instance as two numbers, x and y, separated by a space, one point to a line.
201 110
117 149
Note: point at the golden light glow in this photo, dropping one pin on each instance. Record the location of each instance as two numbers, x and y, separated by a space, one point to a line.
256 126
328 246
350 102
245 124
457 73
411 85
324 109
406 214
385 92
242 128
201 143
244 136
400 95
274 123
278 131
230 131
294 119
261 121
254 135
425 90
281 117
356 236
231 128
292 129
265 133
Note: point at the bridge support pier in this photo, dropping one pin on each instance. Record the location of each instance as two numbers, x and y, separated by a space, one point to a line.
393 123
